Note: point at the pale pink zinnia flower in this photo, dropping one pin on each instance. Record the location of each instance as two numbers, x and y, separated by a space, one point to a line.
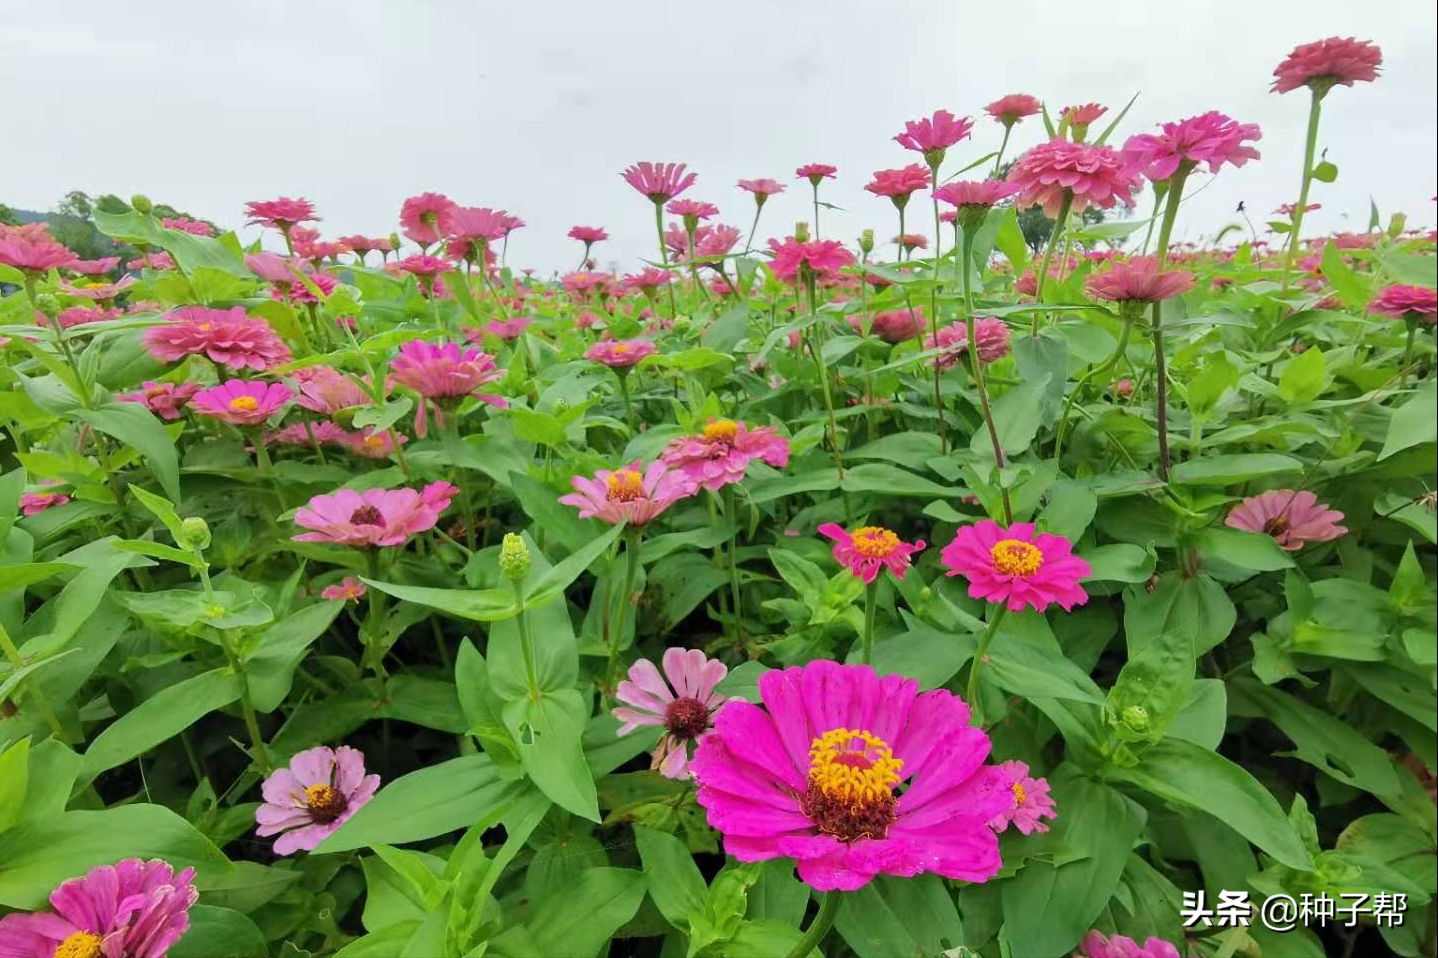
631 494
975 193
420 216
762 188
1010 109
95 267
720 455
814 172
1288 209
1324 64
186 225
620 354
375 517
1031 804
1095 175
469 223
280 214
899 185
1211 138
933 135
72 316
823 258
308 434
348 589
684 706
34 503
319 791
648 279
991 334
1081 115
1293 519
714 242
1018 566
371 443
229 337
660 182
505 329
1098 945
892 326
868 549
166 400
1401 301
1138 280
242 402
692 210
159 260
327 391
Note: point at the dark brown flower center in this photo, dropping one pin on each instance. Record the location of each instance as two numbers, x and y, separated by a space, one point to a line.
1276 526
367 516
325 803
686 718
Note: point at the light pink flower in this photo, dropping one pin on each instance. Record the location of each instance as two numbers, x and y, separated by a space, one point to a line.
306 802
762 188
1288 209
1094 174
1293 519
375 517
325 390
72 316
469 223
420 216
583 282
361 244
1210 138
721 454
229 337
281 214
95 267
911 241
98 292
814 172
34 503
1010 109
870 548
714 242
159 260
1138 280
1031 801
1406 302
1325 63
348 589
683 706
32 249
892 326
692 209
931 136
991 334
631 494
423 267
273 267
588 235
505 329
648 279
899 185
1098 945
1017 566
241 402
620 354
371 443
975 193
166 400
186 225
308 434
823 258
1081 115
660 182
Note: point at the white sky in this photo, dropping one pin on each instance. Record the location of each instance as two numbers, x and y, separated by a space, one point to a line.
536 107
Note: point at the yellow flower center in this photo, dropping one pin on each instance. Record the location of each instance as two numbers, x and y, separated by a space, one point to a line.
374 441
205 327
1013 557
875 542
1019 794
80 944
625 485
620 348
721 430
324 802
245 403
852 777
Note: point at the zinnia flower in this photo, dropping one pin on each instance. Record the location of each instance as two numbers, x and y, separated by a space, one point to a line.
1081 115
714 242
1031 802
911 241
1293 519
420 216
720 455
1325 63
186 225
372 443
1010 109
1211 138
31 249
1406 302
348 589
1017 566
692 210
583 282
166 400
469 223
507 329
824 258
95 267
892 326
762 188
814 775
308 434
975 193
899 185
159 260
1138 280
620 354
229 337
629 494
660 182
241 402
684 705
648 279
991 334
1095 175
281 214
933 135
34 503
325 390
1288 209
870 548
79 316
131 909
319 791
814 172
588 235
375 517
442 375
1098 945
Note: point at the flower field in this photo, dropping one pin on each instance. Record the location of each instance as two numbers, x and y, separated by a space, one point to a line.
1029 585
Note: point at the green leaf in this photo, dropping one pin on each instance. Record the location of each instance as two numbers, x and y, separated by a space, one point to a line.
219 933
929 655
28 573
478 605
900 916
1345 282
1413 422
134 425
280 648
1409 586
12 487
548 733
1158 678
580 917
1017 414
1247 550
1119 562
1229 470
1010 241
1302 378
1215 378
673 879
552 582
1196 605
1070 509
1325 172
14 782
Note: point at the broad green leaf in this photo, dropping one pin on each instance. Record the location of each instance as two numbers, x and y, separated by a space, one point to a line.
580 917
478 605
1017 414
270 668
1247 550
28 573
135 426
674 881
553 581
1227 470
1302 378
548 733
1196 605
219 933
1413 422
900 916
14 782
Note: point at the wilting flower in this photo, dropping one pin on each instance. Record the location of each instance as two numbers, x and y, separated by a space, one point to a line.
931 136
1098 945
229 337
442 375
1010 109
1406 302
814 172
684 705
34 503
1017 566
166 400
824 258
1081 115
660 182
1095 175
1031 802
992 336
870 548
186 225
892 326
620 354
720 455
375 517
241 402
325 390
32 249
319 791
420 216
1324 64
1293 519
762 188
281 214
348 589
1121 388
131 909
631 494
1138 280
814 775
899 185
588 235
1210 138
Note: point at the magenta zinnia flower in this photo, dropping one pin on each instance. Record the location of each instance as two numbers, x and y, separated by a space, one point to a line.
1094 174
1211 138
319 791
588 235
242 402
975 193
1010 109
814 172
186 225
899 185
1293 519
991 334
375 517
443 375
1406 302
281 214
933 135
32 249
325 390
1080 115
1098 945
1017 566
684 705
1031 802
814 775
1327 63
420 216
892 326
348 589
466 224
229 337
166 400
629 494
720 455
692 209
1138 280
34 503
660 182
131 909
648 279
824 258
620 354
95 267
870 548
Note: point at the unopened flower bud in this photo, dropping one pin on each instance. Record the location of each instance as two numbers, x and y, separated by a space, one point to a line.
1136 718
801 232
514 558
47 304
194 534
142 203
866 241
394 241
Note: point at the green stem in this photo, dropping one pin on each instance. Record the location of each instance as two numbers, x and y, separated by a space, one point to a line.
871 608
664 254
32 689
1408 350
526 642
975 706
1043 274
818 350
731 512
819 927
626 599
1310 149
373 631
628 403
1098 370
1160 367
977 369
247 705
753 229
999 157
816 209
262 455
900 255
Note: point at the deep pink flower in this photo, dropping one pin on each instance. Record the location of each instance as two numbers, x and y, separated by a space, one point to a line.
1098 945
281 214
1081 115
95 267
1138 280
1094 174
327 391
683 706
33 503
442 375
660 182
1017 566
892 326
375 517
714 242
631 494
648 279
899 185
423 267
166 400
229 337
975 193
1031 801
1010 109
79 316
991 334
506 329
1326 63
420 217
814 172
32 249
1293 519
1406 302
366 244
308 435
692 209
471 223
1288 209
762 188
814 775
319 791
933 135
1210 138
720 455
870 548
588 235
186 225
131 909
348 589
584 282
824 258
241 402
620 354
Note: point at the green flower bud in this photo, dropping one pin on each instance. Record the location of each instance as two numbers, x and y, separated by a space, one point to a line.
1136 718
866 241
514 558
142 203
47 304
194 534
801 232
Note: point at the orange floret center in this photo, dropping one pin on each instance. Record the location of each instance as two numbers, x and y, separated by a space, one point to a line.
1019 793
875 542
625 485
852 777
79 944
245 403
1014 557
721 430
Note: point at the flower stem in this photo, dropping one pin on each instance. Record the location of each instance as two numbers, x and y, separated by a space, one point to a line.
1160 367
816 209
1408 350
900 256
526 641
628 403
977 368
817 349
664 254
999 157
32 689
1310 149
981 653
754 229
1098 370
247 705
626 599
373 631
819 927
871 607
731 512
1043 274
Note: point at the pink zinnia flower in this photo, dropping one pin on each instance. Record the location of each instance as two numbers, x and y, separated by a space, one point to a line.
1081 115
933 135
1406 302
273 267
975 193
714 242
1210 138
813 775
420 216
95 267
1017 566
166 400
1010 109
34 503
899 185
32 249
325 390
588 235
241 402
371 443
720 455
1095 175
366 244
814 172
1031 804
584 282
991 334
229 337
348 589
308 434
375 517
892 326
620 354
423 267
281 214
911 241
1138 280
319 791
1293 519
660 182
442 375
1288 209
683 706
692 209
762 188
131 909
631 494
79 316
506 329
870 548
1326 63
824 258
98 292
1098 945
473 223
156 261
186 225
648 279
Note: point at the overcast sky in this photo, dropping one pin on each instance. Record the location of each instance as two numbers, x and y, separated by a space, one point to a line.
537 106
